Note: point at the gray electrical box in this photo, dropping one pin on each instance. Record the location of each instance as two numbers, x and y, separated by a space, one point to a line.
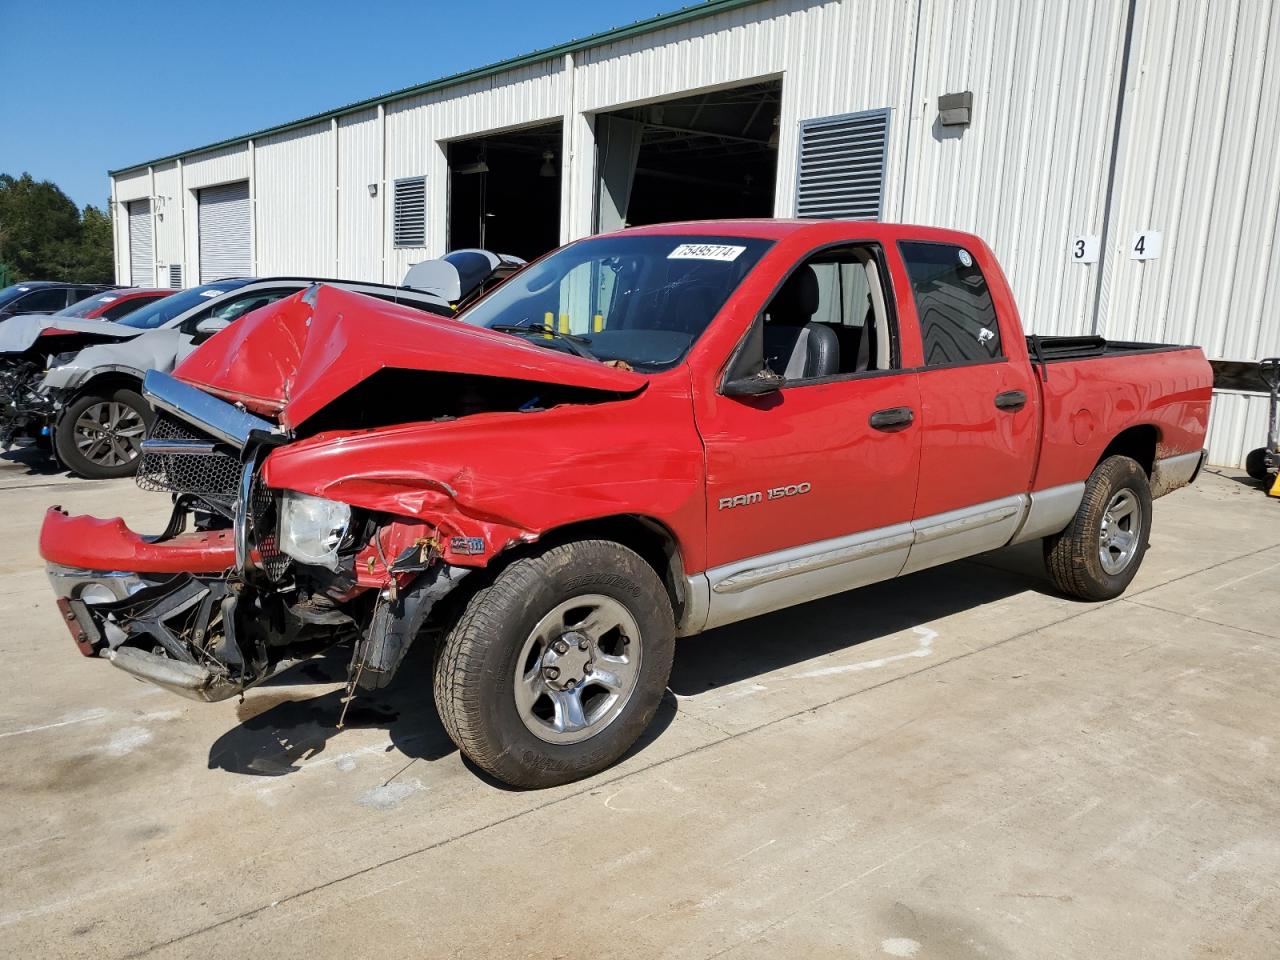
955 109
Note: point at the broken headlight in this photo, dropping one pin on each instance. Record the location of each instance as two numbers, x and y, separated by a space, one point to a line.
312 528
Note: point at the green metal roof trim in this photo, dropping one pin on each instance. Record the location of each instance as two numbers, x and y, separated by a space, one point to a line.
682 15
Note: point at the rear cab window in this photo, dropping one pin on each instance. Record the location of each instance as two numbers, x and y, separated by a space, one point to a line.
958 322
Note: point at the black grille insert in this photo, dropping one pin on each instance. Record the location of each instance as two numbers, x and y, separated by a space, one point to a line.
214 477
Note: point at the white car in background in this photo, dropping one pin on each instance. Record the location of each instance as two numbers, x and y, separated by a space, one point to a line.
98 416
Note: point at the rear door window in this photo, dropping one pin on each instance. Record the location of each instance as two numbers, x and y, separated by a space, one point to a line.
957 318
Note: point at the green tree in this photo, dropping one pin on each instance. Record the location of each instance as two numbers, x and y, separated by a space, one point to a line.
44 237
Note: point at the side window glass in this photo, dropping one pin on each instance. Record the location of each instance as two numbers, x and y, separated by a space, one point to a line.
957 318
42 301
829 318
235 309
124 307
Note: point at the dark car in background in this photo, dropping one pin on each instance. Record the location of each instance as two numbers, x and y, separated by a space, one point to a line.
45 296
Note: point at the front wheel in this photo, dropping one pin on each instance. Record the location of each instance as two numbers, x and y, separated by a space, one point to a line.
1099 552
553 670
99 436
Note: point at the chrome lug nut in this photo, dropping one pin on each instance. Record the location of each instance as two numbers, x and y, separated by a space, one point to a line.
552 673
587 669
560 646
582 644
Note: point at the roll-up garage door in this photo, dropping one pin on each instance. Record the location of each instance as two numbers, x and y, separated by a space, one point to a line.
142 261
224 232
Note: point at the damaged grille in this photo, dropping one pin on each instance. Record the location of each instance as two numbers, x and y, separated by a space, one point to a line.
264 508
213 477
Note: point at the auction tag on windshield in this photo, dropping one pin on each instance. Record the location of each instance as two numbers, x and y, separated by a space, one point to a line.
213 293
108 299
705 251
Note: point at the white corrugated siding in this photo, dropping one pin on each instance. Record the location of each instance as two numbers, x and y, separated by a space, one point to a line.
295 184
1237 424
1191 166
216 166
168 218
1029 172
133 186
359 215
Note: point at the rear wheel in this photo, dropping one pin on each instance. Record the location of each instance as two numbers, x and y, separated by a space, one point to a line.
552 672
100 435
1099 552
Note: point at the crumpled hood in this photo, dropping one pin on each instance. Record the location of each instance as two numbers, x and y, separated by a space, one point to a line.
18 334
291 359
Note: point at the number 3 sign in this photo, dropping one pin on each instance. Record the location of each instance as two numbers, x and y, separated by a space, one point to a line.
1084 249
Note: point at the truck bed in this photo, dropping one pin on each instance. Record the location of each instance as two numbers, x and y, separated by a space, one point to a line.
1053 349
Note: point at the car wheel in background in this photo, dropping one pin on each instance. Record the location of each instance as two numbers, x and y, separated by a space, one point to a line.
100 436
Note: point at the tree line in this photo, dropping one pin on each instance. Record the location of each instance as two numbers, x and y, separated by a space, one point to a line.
45 236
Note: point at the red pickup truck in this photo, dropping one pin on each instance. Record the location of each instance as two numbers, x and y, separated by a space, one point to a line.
641 436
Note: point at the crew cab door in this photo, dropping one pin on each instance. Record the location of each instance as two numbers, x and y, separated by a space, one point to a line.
810 488
979 404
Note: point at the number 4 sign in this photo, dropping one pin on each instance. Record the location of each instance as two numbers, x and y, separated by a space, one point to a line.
1146 245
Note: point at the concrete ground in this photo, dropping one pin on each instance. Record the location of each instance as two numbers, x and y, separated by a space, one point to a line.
956 765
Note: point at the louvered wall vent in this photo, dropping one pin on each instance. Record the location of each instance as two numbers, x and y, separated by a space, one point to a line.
175 276
410 228
841 169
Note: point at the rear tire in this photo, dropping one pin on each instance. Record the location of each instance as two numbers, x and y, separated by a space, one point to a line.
552 671
1097 555
99 436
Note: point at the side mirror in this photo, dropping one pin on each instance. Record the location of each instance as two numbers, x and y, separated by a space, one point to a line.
211 325
756 385
748 375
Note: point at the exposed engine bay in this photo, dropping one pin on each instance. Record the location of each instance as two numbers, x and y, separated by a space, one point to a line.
27 410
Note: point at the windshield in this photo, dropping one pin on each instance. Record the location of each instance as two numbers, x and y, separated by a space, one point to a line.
162 311
641 298
85 307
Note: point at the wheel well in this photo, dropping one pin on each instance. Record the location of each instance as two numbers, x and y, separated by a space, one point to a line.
1137 443
655 544
103 382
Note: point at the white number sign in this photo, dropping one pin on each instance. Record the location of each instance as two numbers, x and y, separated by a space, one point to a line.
1146 245
1084 248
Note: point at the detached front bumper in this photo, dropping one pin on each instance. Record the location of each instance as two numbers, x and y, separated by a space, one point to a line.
136 602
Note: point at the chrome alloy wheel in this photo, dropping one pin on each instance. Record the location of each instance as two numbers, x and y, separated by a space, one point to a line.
578 669
109 433
1120 533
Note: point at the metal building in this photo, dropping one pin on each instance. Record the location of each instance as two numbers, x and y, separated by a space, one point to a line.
1121 156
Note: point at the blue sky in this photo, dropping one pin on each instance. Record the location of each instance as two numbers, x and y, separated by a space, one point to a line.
89 87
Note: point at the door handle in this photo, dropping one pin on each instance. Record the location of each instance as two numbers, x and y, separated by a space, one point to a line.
892 418
1011 400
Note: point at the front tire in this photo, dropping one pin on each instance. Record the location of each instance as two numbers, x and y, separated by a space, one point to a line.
1100 551
99 436
552 671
